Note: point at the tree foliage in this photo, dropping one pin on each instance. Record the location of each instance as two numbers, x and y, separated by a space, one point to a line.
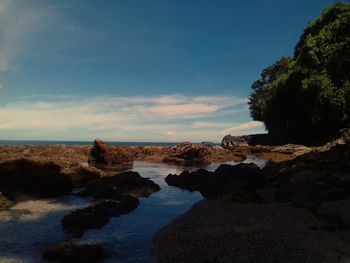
306 98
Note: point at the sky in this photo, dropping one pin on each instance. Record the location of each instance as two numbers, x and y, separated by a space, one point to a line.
141 70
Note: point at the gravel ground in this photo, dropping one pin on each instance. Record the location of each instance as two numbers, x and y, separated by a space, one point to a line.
219 231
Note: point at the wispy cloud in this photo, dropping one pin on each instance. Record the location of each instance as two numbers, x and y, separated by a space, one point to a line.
244 126
145 118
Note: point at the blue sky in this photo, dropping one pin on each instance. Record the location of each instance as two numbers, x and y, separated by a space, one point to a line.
143 70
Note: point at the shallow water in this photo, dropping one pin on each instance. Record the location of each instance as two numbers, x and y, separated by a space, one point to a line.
29 227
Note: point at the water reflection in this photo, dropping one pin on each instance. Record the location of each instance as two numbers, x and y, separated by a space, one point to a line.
30 226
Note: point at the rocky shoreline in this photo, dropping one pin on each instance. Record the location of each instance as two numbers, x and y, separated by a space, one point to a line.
34 172
299 213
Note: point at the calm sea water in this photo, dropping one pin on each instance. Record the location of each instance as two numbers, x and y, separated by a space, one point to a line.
29 227
21 143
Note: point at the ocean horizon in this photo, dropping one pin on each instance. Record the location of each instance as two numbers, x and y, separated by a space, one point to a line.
61 142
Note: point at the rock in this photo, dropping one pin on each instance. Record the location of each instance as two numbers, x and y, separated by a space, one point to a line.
193 181
315 177
116 195
97 215
189 153
85 175
101 155
127 183
231 142
294 149
238 182
35 179
77 253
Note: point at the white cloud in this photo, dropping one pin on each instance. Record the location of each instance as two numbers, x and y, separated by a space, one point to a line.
244 126
118 118
209 125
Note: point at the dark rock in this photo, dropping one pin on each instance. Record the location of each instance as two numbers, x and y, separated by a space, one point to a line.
101 155
315 177
193 181
36 179
97 215
127 183
85 175
246 173
116 195
238 182
77 253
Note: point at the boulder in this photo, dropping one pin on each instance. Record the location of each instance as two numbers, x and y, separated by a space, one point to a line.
315 177
238 181
127 183
97 215
101 155
193 181
77 253
35 179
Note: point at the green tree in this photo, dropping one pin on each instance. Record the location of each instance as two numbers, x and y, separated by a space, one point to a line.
306 98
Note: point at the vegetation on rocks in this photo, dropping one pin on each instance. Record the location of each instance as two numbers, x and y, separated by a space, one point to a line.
306 98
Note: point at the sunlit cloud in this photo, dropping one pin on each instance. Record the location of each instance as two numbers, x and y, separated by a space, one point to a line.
244 126
121 118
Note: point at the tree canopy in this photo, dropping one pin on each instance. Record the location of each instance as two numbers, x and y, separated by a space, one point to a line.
306 98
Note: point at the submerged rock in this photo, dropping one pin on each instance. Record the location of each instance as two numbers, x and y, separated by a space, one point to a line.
127 183
98 214
101 155
35 179
77 253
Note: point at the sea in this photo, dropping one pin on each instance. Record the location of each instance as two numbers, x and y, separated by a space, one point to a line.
112 143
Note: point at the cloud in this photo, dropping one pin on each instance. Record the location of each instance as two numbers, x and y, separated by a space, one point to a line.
209 125
129 118
244 126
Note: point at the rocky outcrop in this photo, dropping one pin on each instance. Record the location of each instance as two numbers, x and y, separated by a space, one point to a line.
101 155
320 175
238 181
33 179
231 142
77 253
98 214
188 153
114 196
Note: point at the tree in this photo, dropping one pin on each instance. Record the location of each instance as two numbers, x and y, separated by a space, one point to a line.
306 98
